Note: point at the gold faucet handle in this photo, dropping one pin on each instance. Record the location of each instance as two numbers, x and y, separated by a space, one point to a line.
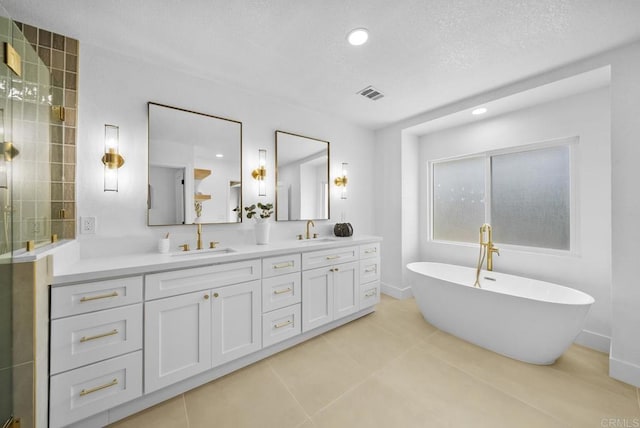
299 237
495 250
185 247
212 244
315 235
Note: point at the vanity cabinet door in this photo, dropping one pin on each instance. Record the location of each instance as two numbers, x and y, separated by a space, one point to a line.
236 321
346 289
177 340
317 298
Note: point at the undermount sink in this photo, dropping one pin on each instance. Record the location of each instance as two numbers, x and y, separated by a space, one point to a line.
205 251
315 241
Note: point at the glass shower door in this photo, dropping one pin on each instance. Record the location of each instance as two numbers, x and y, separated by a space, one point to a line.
6 235
25 209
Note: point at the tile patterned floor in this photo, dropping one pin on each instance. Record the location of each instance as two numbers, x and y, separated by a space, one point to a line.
392 369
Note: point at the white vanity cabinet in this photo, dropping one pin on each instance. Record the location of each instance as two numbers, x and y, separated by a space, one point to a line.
96 348
177 340
369 274
281 297
331 291
130 341
237 319
186 334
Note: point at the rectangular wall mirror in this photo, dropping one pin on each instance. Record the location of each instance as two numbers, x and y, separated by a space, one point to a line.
302 177
195 167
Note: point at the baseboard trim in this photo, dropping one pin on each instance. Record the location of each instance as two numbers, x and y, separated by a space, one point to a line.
624 371
594 340
396 292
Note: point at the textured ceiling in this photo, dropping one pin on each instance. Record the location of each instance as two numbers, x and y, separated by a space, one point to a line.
422 54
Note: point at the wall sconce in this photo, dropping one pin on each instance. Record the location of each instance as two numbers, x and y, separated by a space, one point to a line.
260 173
342 181
112 160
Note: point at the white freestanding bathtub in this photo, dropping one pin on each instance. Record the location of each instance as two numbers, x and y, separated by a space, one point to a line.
529 320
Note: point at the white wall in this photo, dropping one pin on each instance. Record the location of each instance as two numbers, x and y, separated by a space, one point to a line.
115 89
625 205
624 362
589 269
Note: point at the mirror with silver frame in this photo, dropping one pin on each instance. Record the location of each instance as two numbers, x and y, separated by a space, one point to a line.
302 177
195 167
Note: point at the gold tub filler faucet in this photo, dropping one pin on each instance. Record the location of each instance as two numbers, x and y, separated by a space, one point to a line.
486 250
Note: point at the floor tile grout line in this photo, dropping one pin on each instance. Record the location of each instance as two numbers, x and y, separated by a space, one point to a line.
369 376
186 413
304 422
495 387
382 326
277 375
343 353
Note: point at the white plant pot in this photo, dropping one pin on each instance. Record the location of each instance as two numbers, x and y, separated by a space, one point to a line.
262 232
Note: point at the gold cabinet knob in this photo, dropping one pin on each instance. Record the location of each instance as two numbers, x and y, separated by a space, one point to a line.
215 294
206 297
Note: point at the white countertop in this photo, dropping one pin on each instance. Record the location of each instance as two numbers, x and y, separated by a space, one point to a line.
71 268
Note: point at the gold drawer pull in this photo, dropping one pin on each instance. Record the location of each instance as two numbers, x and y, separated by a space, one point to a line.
286 290
98 336
334 270
370 294
372 250
373 269
98 388
283 324
283 265
332 257
100 296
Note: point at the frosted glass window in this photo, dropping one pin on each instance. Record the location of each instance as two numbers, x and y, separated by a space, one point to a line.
530 198
458 199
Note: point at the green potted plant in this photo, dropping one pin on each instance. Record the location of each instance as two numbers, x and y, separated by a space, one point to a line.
262 225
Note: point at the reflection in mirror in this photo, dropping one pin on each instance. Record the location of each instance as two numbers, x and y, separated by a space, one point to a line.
194 167
302 177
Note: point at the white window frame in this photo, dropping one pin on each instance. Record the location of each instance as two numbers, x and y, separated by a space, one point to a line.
571 142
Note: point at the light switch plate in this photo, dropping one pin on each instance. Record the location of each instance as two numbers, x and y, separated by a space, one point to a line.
88 225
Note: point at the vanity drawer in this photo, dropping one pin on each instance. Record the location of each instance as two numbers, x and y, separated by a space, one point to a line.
83 392
85 339
94 296
281 291
370 251
280 265
280 325
369 270
369 294
316 259
184 281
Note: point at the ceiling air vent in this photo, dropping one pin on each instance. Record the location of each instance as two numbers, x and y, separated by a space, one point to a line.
371 93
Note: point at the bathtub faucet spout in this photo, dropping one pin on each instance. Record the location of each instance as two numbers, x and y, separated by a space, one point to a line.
486 250
488 244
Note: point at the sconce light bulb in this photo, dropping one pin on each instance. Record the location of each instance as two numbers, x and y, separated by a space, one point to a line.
262 188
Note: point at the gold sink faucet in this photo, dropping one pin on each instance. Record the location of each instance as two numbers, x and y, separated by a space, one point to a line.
309 222
199 233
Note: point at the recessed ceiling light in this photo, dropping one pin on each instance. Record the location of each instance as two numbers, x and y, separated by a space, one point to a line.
219 155
481 110
358 37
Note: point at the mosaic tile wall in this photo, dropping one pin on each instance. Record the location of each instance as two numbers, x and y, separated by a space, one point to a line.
60 54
